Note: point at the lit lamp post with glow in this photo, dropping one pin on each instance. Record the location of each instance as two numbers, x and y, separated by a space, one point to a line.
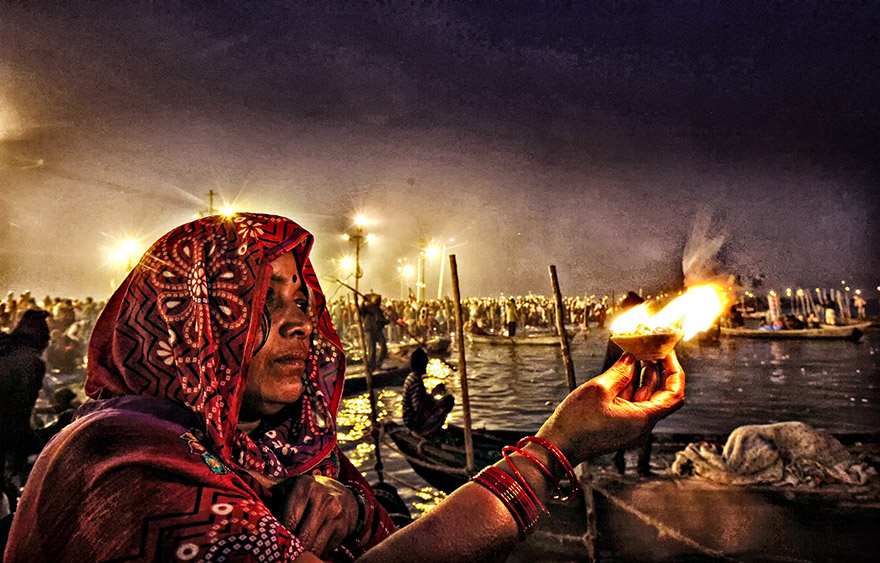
431 251
434 251
124 255
347 267
358 237
405 270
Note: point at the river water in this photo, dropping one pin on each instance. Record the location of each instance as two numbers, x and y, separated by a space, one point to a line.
827 384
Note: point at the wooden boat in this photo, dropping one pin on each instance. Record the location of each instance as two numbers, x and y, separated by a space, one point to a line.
440 459
852 332
670 518
526 340
436 347
356 380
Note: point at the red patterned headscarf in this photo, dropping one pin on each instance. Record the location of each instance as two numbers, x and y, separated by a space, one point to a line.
186 322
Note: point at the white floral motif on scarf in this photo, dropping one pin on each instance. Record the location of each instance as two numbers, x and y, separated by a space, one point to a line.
195 285
248 228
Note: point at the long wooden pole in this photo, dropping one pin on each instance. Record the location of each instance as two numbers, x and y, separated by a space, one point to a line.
368 373
583 470
560 326
462 368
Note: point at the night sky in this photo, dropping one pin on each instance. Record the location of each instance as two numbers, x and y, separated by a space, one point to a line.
594 136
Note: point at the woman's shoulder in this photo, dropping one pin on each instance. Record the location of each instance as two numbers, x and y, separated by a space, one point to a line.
115 429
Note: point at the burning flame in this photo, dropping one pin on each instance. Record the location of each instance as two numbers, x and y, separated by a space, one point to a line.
694 311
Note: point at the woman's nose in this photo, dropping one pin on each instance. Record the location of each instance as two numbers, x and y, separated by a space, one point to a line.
296 323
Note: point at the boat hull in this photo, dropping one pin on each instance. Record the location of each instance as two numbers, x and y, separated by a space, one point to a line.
853 332
498 340
441 460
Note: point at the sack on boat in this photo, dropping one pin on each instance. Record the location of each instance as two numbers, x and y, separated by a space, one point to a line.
783 453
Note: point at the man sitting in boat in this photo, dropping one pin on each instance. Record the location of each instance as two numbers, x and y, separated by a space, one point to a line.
422 412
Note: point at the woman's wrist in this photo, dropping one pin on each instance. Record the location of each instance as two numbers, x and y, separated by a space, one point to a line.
361 500
547 459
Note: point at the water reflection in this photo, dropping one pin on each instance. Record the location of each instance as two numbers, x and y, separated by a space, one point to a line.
832 385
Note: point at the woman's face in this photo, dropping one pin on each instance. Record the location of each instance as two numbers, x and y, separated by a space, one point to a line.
275 377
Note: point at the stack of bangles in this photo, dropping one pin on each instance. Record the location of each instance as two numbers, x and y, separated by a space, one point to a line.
516 493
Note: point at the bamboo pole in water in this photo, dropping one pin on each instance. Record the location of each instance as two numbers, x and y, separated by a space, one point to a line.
368 373
560 326
583 470
462 368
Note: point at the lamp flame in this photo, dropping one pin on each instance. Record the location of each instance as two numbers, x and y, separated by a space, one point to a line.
694 311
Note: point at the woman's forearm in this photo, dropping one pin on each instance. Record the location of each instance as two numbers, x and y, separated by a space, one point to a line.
472 524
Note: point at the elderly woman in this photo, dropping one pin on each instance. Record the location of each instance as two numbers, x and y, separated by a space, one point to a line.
217 375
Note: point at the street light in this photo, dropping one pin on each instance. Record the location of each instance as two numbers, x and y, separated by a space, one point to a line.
347 264
405 270
124 255
434 250
358 237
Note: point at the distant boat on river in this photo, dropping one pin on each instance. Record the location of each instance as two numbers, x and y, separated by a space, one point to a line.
526 340
827 332
437 347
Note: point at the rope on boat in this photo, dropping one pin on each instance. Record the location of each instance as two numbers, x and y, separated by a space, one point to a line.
662 529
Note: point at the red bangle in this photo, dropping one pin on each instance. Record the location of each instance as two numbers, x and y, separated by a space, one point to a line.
569 470
514 497
523 482
558 494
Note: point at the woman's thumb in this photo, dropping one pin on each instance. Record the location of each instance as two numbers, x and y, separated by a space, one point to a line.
619 375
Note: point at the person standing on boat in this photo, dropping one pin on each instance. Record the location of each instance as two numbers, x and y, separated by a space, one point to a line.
511 316
374 330
422 412
613 352
860 303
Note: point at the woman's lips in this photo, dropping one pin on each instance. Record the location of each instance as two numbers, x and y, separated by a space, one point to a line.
291 361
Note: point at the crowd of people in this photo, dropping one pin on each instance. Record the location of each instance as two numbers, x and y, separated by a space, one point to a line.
36 338
70 323
406 320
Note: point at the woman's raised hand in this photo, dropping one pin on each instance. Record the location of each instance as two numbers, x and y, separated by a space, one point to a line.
608 412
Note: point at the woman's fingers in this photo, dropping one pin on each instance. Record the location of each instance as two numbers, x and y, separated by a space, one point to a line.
630 389
673 376
310 526
297 501
670 395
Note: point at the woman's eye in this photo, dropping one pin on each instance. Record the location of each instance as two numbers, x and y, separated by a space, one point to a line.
303 305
